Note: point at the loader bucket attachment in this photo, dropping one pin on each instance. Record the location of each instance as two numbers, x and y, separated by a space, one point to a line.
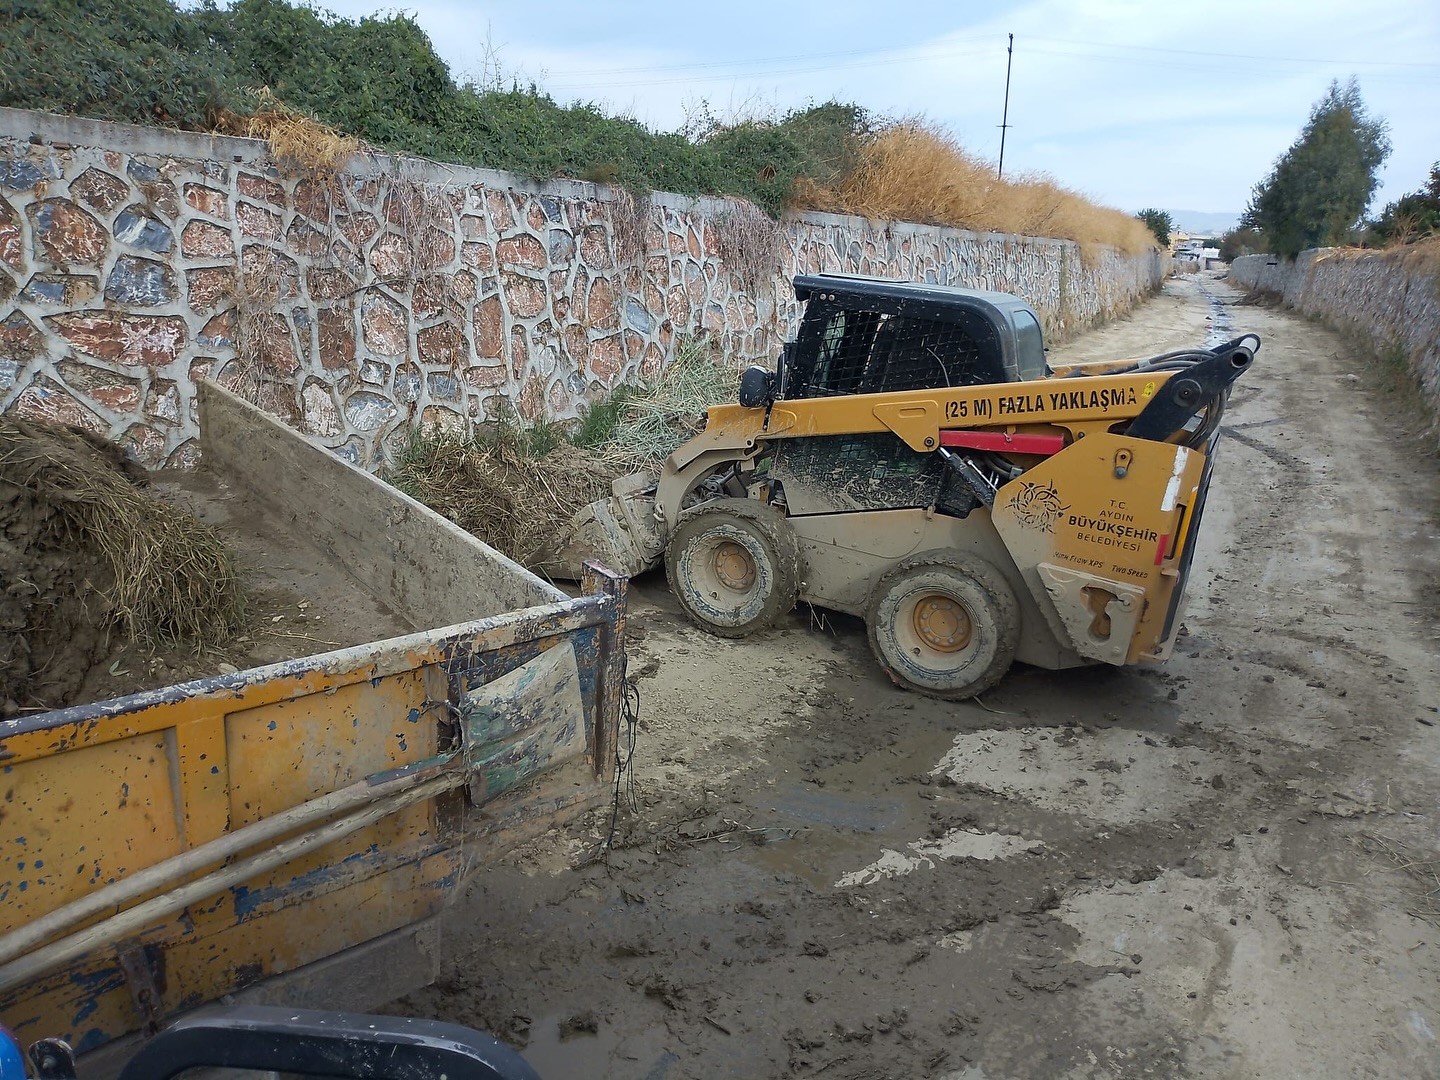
620 532
1102 533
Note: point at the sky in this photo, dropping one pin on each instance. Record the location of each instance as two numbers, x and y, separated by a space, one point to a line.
1179 105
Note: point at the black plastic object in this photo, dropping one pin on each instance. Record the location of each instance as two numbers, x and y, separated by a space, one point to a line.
53 1060
1189 391
757 388
311 1043
783 364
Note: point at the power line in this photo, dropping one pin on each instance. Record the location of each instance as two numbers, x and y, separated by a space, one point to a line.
803 63
1241 56
758 61
782 72
810 64
1239 66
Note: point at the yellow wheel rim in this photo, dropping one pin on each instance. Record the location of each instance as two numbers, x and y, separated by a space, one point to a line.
942 623
734 566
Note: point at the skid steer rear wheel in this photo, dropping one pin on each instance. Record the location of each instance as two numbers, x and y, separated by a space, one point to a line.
734 565
944 624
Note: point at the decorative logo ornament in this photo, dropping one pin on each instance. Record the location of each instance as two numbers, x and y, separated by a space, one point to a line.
1037 507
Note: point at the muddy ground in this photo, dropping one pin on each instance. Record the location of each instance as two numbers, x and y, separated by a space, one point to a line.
1224 867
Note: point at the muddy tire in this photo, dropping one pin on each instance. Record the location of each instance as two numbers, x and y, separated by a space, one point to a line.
943 624
734 565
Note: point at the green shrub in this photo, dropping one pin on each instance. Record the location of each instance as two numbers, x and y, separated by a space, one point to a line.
1319 188
136 61
1159 222
599 421
1413 216
379 78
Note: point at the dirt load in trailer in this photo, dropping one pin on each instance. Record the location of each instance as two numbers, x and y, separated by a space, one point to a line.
282 833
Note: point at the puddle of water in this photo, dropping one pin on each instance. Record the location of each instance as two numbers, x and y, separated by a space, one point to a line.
957 844
815 856
890 864
839 810
839 823
603 1052
1222 329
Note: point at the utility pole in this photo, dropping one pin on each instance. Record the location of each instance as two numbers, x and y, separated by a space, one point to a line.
1005 116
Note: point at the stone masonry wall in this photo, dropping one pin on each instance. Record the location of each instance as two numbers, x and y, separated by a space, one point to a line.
1391 298
134 261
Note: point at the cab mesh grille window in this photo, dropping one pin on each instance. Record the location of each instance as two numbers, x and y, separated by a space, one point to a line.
866 352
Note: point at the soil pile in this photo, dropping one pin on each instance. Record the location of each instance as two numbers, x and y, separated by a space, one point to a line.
87 553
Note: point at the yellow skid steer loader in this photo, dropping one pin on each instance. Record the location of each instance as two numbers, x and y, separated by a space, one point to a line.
915 461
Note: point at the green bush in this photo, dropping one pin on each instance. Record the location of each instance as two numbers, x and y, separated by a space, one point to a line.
139 61
1241 241
149 61
1159 222
1414 216
1319 188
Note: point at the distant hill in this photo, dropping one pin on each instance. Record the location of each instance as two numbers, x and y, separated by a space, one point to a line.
1200 221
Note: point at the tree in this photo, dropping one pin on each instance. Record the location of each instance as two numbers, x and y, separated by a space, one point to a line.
1239 242
1158 222
1414 216
1320 187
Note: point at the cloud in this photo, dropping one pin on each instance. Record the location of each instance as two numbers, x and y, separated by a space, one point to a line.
1133 103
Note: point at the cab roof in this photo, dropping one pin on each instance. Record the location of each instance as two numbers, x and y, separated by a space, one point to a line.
896 291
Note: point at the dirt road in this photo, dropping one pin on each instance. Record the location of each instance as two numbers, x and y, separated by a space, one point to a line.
1221 868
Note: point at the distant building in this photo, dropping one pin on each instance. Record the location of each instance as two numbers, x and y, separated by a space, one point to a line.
1201 249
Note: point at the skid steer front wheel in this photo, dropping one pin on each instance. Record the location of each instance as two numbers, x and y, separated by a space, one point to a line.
944 624
734 565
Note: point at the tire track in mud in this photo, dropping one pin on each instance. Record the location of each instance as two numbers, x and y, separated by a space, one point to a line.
1274 453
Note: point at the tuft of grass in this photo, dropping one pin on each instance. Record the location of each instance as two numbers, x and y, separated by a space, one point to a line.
298 142
535 441
655 418
913 173
513 488
517 487
599 422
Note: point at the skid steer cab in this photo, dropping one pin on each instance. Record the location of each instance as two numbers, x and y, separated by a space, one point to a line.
915 461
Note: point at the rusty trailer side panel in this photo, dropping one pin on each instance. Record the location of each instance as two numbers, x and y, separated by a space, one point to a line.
524 704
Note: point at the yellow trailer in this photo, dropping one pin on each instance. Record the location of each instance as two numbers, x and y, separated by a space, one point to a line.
283 835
